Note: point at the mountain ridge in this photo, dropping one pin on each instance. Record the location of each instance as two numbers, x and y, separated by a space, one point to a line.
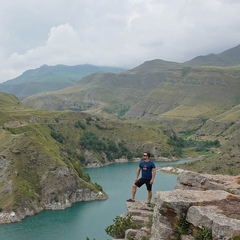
230 57
50 78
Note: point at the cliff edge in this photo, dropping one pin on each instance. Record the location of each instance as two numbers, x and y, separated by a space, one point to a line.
201 207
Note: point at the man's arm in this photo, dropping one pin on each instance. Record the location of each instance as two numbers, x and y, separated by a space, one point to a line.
137 173
153 175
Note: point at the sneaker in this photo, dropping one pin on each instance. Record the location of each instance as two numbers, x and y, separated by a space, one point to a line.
130 200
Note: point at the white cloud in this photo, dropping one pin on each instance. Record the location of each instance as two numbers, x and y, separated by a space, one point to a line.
118 33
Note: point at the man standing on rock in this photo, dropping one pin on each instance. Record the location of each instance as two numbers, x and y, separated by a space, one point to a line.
148 174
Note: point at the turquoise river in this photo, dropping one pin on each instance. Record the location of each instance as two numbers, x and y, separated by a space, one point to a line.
89 219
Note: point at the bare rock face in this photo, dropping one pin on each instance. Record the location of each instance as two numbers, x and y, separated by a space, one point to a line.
222 227
173 205
62 187
200 203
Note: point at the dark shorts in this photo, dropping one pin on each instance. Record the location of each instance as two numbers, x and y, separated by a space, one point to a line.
141 181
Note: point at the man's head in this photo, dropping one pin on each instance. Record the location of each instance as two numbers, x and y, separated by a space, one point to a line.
146 155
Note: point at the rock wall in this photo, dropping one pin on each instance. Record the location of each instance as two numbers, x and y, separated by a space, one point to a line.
201 207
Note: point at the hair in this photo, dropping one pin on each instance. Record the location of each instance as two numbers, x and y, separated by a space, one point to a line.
148 153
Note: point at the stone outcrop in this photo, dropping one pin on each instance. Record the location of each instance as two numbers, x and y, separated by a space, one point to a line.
201 205
195 181
199 209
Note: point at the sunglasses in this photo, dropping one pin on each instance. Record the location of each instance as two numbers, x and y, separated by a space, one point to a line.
145 155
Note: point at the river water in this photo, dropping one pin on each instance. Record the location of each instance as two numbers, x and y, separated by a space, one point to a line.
89 219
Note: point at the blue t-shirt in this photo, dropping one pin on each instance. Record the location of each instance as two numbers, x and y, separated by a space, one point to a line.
146 168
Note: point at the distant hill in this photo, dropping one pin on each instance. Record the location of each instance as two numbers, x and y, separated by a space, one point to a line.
191 94
227 58
50 78
175 94
112 93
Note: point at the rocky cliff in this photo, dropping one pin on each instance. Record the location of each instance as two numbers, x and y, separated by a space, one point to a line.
57 188
201 207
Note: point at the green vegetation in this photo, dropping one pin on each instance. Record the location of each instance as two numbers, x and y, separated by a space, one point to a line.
98 187
121 224
201 146
203 234
85 176
150 222
182 227
185 71
57 136
90 141
78 124
179 144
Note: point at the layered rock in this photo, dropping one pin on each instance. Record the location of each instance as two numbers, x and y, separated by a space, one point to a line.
195 181
202 203
199 209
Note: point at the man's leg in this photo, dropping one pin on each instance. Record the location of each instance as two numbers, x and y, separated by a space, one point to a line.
149 189
137 184
149 196
134 190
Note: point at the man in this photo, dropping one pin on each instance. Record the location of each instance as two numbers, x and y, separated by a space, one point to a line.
148 174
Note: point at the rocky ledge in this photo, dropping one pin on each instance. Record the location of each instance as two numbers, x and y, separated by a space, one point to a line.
201 207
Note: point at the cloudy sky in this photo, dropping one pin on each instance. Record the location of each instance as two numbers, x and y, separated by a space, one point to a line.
122 33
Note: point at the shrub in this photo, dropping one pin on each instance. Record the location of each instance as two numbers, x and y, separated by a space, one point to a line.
78 124
57 136
99 187
183 225
204 234
121 224
90 141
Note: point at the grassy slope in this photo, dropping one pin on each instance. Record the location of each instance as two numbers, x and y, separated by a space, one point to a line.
224 127
28 152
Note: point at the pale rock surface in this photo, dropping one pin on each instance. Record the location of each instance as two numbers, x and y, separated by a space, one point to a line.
210 201
196 181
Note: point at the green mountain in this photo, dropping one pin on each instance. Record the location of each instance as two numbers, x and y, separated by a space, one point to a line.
191 94
108 92
50 78
187 97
